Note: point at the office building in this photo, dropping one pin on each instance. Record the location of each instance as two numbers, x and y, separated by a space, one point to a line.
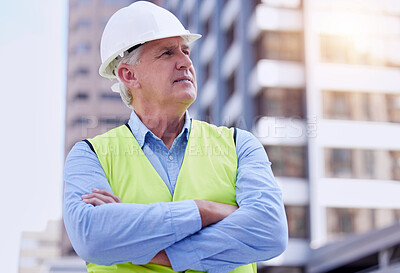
91 107
317 81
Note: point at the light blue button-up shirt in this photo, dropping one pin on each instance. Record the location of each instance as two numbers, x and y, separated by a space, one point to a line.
118 233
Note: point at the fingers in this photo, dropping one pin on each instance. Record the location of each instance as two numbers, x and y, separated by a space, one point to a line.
100 197
93 200
109 194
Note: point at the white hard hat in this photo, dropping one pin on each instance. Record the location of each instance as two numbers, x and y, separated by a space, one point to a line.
136 24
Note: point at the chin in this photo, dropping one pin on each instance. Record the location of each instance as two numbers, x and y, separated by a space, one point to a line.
189 94
187 100
192 97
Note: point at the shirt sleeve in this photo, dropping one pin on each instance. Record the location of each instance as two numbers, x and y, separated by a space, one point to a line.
118 232
257 231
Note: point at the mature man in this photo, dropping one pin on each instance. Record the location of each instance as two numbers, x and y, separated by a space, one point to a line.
164 192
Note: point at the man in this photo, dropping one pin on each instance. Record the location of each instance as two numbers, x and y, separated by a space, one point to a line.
166 193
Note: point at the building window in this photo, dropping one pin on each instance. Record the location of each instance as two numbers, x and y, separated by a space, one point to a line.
81 95
341 105
230 35
337 105
112 121
230 87
81 71
393 107
107 123
207 27
338 163
367 170
110 96
395 160
208 115
362 164
386 217
81 48
358 50
364 106
207 72
361 106
344 221
288 161
81 24
80 121
297 217
280 102
285 46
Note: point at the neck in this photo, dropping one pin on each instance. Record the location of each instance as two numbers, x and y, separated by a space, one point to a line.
165 126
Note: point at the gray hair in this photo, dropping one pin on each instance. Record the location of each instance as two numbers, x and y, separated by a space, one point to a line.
132 58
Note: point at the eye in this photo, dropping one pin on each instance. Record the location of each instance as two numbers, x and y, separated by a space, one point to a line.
186 52
167 53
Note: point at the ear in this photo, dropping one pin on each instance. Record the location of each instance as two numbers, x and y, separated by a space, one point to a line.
127 75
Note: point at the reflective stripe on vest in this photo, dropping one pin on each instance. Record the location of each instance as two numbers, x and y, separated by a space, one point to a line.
208 172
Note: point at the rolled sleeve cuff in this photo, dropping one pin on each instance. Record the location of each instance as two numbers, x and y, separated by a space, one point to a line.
183 256
186 218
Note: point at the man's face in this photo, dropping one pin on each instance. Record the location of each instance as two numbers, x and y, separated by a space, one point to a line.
166 74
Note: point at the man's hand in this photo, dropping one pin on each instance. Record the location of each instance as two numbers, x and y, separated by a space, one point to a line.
213 212
100 197
210 212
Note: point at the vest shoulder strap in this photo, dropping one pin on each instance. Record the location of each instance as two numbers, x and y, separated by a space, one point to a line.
234 135
90 145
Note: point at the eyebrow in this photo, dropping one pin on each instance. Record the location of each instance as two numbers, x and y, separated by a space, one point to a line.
168 48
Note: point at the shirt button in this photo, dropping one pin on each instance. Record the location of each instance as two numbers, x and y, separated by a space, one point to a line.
170 157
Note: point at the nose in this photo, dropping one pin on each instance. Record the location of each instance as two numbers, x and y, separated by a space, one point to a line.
184 61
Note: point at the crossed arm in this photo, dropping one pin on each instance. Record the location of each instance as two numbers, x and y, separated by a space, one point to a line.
210 213
180 231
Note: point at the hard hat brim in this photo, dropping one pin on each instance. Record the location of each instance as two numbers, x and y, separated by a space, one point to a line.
189 37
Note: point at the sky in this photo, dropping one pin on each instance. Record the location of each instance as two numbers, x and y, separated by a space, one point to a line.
32 72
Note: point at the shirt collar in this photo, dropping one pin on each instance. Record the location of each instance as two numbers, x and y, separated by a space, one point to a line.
140 131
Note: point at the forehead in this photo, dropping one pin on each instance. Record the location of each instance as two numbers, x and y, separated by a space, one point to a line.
166 43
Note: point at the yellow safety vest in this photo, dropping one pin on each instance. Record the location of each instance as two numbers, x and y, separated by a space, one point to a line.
208 172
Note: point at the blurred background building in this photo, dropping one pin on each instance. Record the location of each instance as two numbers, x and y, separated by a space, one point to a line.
317 81
40 252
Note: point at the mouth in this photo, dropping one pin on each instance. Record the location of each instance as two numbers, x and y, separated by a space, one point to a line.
184 79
